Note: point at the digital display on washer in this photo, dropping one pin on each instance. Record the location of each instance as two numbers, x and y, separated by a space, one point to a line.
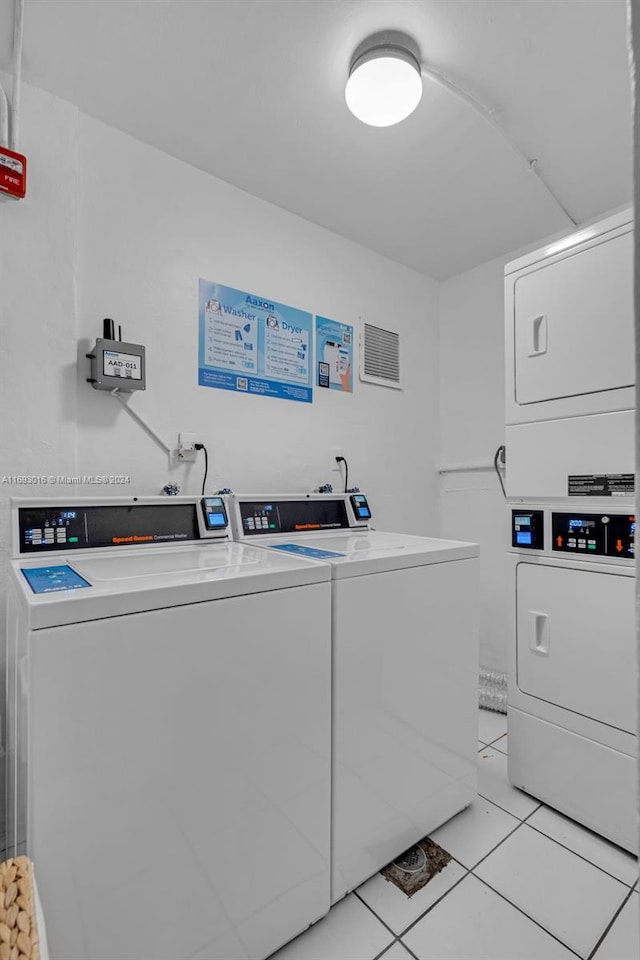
47 529
292 516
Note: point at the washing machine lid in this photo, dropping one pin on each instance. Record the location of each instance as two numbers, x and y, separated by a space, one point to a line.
360 552
64 589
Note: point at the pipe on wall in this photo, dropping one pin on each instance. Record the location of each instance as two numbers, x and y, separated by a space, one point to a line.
633 14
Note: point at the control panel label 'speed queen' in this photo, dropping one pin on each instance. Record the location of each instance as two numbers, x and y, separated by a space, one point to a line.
601 485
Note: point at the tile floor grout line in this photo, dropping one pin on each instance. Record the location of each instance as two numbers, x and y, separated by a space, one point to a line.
408 949
388 947
380 956
504 809
467 870
529 815
490 746
383 922
499 844
532 919
582 857
609 925
495 739
435 903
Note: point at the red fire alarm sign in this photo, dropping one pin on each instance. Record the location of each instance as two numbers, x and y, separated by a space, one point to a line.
13 174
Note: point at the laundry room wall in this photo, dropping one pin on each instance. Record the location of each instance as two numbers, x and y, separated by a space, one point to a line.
38 252
113 227
471 320
37 324
150 226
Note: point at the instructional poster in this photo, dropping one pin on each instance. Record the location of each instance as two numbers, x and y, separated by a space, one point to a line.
253 345
334 355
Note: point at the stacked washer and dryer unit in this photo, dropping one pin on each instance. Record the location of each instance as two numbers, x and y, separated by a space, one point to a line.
570 482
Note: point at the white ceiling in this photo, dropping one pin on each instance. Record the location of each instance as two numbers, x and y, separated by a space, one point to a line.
253 92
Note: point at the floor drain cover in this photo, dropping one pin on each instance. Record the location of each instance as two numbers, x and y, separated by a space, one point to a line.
417 866
412 861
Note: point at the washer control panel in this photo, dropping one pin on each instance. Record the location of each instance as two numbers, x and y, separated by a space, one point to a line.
595 534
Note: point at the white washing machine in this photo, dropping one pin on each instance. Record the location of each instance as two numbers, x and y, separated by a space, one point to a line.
405 671
572 662
169 730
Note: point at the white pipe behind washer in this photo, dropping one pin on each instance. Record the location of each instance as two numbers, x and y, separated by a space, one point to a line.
4 118
18 34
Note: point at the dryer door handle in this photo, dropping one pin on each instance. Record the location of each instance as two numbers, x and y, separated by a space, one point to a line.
538 336
539 632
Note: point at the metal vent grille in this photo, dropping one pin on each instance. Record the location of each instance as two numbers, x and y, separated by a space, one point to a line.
380 356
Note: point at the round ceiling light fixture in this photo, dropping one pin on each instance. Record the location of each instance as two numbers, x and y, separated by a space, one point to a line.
385 80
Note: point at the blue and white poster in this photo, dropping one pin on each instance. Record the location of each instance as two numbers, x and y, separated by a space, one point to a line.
253 345
334 355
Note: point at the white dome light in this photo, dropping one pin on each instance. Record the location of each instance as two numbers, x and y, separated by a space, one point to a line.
384 86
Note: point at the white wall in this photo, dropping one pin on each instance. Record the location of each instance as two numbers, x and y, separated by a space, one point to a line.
38 245
112 227
37 319
150 226
471 322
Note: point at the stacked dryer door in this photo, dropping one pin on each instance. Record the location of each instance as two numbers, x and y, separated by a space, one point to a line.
570 481
569 352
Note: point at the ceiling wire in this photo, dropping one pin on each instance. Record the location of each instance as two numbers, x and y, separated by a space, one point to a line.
489 116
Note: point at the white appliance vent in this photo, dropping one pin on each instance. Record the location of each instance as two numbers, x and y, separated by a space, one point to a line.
380 356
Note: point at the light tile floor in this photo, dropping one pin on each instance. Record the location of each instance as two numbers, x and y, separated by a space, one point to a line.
525 884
